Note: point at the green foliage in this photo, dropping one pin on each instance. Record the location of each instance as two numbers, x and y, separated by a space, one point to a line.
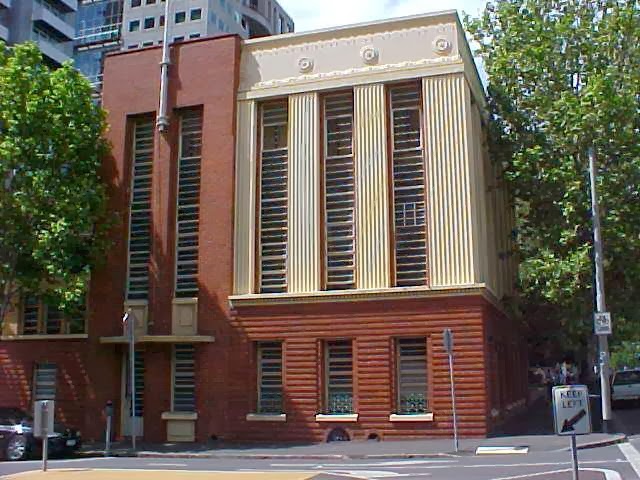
626 354
51 195
564 75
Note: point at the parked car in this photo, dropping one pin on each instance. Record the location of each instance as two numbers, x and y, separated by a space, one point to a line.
18 443
626 386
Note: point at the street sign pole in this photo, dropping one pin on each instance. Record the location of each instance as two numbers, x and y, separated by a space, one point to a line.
447 336
43 426
574 456
129 320
603 341
108 410
45 436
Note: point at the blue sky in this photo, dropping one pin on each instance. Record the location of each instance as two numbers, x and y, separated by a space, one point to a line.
311 15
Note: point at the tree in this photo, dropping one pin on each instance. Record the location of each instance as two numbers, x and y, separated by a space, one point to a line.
52 199
564 75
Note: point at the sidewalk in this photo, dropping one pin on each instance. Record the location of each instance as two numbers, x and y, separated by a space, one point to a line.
353 450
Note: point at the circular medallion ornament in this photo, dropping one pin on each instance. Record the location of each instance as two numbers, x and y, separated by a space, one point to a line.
441 46
305 65
369 54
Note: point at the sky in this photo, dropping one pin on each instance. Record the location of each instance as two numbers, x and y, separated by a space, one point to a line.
312 15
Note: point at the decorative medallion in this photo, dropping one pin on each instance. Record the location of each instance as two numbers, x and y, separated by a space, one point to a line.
369 54
305 65
442 46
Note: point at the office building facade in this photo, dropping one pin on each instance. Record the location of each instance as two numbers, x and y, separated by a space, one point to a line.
294 246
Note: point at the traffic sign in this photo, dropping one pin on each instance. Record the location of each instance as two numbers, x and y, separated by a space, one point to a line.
571 410
602 323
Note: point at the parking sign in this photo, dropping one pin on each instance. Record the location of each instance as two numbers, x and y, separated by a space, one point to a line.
571 410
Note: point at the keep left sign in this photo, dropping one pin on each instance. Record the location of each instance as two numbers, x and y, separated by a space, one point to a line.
571 410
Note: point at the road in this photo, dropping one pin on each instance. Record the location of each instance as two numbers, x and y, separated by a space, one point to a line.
623 460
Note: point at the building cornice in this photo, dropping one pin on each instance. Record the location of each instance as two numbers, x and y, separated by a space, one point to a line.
266 299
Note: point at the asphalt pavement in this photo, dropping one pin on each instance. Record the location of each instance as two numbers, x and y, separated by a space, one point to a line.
610 463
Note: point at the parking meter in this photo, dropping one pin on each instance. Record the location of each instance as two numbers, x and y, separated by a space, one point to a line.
108 413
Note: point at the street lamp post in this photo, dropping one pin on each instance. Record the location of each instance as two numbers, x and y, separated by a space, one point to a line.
601 308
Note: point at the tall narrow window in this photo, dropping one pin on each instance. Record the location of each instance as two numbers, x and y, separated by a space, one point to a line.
30 315
184 386
412 375
273 197
408 186
138 381
270 377
45 381
140 211
339 191
339 377
188 211
53 320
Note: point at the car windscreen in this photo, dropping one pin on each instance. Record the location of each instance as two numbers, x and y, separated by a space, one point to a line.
626 378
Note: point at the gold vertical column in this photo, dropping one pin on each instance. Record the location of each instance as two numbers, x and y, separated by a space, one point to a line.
372 187
303 264
245 198
452 256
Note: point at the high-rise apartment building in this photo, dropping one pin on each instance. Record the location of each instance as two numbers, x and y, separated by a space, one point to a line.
144 20
98 24
49 23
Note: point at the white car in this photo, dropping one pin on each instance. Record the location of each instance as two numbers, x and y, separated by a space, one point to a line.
626 385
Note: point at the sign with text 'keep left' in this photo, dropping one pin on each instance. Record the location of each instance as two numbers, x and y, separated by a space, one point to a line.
571 410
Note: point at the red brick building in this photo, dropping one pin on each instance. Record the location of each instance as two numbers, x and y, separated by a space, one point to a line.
320 209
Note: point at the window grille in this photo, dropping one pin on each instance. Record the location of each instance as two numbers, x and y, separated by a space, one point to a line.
339 377
45 381
339 191
184 386
30 314
412 375
270 377
273 197
408 186
139 366
188 209
140 211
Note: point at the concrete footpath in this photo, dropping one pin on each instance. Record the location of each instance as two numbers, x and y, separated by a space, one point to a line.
353 450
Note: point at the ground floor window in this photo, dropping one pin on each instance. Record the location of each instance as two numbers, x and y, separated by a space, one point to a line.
411 363
338 376
270 377
183 381
44 384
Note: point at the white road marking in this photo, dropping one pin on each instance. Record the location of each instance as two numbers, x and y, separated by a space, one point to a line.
631 454
609 474
396 463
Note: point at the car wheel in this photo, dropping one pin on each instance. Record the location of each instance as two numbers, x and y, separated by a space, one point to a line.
17 448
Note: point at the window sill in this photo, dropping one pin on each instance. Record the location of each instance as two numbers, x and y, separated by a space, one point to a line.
406 417
338 417
70 336
179 416
266 417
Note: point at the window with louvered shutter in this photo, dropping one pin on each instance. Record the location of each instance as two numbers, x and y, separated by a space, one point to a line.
140 211
53 320
339 377
270 377
139 366
408 186
188 208
412 375
45 381
184 385
273 197
339 191
30 314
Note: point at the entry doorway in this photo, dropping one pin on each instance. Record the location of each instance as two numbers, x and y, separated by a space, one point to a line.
132 420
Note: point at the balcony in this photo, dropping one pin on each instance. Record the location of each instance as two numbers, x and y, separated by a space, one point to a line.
57 52
51 20
68 5
5 4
